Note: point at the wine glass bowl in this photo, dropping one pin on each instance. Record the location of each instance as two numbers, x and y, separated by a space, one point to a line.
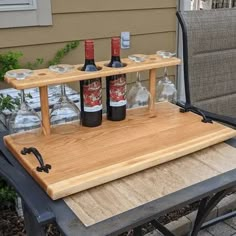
166 90
65 115
24 119
26 116
138 95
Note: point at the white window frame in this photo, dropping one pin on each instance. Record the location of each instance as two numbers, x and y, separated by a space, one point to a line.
38 13
17 5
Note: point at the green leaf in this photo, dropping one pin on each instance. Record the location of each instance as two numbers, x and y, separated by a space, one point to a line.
9 103
9 61
60 54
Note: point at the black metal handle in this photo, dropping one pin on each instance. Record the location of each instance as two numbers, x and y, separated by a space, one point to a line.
187 108
39 157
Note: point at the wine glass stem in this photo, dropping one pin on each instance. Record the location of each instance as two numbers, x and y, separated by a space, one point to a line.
63 90
165 72
138 77
22 96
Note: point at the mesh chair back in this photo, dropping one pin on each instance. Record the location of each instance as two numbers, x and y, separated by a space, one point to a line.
210 59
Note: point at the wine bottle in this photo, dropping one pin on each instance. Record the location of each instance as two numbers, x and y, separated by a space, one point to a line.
90 91
116 86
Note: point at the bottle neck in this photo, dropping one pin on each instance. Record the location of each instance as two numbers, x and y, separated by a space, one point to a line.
89 61
89 51
115 50
115 58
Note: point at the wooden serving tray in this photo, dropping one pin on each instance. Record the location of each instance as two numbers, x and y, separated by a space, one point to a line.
93 156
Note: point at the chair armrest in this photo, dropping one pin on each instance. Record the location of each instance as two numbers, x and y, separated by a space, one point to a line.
31 194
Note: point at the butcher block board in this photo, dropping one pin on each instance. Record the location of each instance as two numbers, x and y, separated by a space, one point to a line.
93 156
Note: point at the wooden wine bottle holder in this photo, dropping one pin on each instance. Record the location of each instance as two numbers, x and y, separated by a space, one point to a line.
93 156
44 77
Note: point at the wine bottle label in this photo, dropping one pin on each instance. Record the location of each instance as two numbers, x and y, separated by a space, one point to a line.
92 94
118 91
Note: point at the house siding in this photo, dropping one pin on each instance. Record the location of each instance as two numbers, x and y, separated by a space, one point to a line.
152 25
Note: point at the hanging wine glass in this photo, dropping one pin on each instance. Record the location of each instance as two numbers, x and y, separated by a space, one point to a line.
166 90
65 115
24 119
138 95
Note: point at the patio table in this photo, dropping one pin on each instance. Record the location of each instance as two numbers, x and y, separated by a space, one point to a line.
119 203
112 208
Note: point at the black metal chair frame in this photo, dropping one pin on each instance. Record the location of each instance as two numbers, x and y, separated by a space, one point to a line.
206 204
40 210
188 106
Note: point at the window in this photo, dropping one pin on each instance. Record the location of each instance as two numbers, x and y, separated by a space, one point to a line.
20 13
11 5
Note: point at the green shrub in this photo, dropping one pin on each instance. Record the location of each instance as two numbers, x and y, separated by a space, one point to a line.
7 194
10 61
60 54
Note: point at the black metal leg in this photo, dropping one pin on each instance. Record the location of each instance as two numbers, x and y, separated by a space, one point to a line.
33 228
161 228
138 231
218 219
206 205
200 214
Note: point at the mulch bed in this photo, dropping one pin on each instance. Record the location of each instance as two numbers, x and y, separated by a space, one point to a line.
13 225
10 223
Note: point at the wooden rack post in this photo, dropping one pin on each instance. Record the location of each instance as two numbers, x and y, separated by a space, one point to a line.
152 89
45 110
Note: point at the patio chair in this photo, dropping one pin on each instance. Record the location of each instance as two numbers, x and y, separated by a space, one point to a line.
209 50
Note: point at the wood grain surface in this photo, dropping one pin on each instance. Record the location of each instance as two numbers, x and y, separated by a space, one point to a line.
93 156
110 199
44 77
45 110
152 89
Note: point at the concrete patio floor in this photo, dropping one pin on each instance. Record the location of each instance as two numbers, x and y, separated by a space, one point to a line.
226 228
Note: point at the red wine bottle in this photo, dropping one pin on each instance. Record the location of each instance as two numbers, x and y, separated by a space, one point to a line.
116 86
90 91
